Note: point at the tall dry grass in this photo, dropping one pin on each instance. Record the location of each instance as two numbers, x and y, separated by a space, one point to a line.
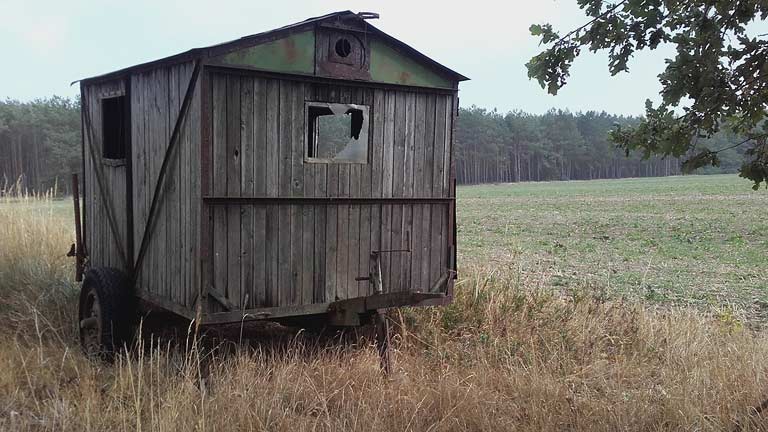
36 278
504 356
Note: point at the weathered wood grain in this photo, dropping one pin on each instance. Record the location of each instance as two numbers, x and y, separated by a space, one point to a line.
429 169
296 116
438 213
259 292
233 181
247 188
284 183
417 233
272 172
219 171
288 254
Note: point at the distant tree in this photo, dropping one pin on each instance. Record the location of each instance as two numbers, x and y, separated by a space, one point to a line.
39 142
717 80
492 147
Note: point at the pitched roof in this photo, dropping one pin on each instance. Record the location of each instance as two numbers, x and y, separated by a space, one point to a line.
254 38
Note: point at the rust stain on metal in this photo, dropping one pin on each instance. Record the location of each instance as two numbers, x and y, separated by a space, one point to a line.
290 50
405 77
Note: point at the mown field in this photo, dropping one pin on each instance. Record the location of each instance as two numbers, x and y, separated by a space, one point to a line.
602 305
696 240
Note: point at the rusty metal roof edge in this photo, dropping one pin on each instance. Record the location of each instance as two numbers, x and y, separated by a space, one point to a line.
195 53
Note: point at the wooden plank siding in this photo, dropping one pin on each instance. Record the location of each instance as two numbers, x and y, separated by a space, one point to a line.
102 244
171 266
268 255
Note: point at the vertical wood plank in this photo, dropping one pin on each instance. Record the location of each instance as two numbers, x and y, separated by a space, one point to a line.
260 189
296 104
438 212
307 233
182 180
204 237
417 232
232 164
343 224
272 172
147 114
452 246
192 197
377 161
408 191
137 142
447 172
364 288
398 188
325 93
247 188
429 168
320 187
160 147
285 278
219 170
448 114
184 169
172 231
387 186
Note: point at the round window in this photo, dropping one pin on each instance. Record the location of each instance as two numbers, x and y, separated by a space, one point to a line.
343 48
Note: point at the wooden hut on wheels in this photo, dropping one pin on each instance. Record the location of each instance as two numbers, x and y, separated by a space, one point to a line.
301 175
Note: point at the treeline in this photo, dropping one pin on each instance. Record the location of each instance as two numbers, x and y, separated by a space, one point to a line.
495 147
40 145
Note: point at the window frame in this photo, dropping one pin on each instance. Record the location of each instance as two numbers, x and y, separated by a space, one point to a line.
111 161
365 127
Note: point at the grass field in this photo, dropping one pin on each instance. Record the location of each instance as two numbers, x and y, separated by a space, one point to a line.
698 240
602 305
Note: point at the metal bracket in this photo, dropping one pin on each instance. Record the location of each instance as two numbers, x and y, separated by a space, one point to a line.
374 277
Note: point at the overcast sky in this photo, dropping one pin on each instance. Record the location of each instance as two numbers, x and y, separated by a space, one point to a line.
47 44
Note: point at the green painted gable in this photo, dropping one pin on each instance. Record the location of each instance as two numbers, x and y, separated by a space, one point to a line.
291 54
296 54
390 66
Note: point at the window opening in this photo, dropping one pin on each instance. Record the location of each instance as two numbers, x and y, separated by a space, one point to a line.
343 47
113 130
337 132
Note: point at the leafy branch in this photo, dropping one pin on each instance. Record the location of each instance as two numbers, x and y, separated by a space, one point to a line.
719 70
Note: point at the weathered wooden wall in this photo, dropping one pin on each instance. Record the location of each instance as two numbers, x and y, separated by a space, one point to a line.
170 269
101 243
288 254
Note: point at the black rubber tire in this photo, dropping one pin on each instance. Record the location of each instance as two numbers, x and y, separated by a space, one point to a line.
111 327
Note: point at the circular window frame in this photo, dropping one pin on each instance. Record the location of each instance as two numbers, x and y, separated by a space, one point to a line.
342 47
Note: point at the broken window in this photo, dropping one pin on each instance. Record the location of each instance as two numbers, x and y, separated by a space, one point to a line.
113 131
337 132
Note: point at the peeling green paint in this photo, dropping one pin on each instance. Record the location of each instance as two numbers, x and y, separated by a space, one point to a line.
389 66
292 54
296 54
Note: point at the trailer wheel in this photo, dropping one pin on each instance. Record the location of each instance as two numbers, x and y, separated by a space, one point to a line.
106 312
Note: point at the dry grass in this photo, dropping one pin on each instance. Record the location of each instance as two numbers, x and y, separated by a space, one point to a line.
505 356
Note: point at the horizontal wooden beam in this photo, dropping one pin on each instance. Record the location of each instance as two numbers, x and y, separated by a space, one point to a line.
264 313
358 305
226 200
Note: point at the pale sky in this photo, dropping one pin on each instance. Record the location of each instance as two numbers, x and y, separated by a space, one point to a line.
46 44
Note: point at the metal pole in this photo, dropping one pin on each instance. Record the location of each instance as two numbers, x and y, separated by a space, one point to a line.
79 255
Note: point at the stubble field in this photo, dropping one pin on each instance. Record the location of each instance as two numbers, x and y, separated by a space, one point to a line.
631 304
